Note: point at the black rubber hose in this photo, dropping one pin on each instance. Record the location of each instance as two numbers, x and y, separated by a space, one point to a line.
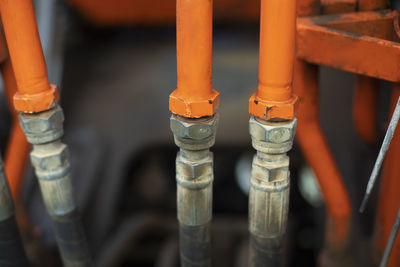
195 245
71 240
12 253
265 252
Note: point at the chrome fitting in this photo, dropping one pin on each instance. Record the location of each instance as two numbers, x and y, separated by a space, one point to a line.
43 127
6 202
272 137
194 168
270 177
194 134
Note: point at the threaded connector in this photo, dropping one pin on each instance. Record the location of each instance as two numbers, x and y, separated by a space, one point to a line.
270 177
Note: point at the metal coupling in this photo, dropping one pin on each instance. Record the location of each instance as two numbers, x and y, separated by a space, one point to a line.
269 183
50 159
194 168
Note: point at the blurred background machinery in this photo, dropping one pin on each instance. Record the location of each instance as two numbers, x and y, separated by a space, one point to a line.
115 64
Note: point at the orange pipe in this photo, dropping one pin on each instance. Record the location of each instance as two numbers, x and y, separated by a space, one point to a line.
194 96
17 148
277 42
389 197
274 99
318 156
194 48
365 106
34 91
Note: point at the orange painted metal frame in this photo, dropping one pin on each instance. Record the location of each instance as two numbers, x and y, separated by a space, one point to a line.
351 42
157 12
274 99
316 150
194 96
34 91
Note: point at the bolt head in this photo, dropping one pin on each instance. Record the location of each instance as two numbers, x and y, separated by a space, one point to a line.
194 169
42 122
51 159
270 171
194 129
272 132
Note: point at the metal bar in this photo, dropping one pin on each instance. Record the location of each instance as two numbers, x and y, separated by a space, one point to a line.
382 152
392 239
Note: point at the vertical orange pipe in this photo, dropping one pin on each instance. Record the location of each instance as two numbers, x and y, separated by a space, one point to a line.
318 156
194 48
366 90
34 91
18 148
24 46
389 197
316 150
277 43
194 96
366 93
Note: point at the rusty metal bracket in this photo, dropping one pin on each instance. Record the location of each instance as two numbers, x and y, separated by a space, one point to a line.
359 42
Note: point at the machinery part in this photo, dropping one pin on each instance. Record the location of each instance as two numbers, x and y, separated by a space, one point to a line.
12 252
49 157
269 189
194 176
343 41
365 105
137 12
34 91
272 129
194 96
389 198
382 152
392 239
274 99
16 154
317 153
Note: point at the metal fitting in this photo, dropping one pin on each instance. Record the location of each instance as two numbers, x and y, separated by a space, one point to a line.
6 202
52 168
269 197
194 181
270 177
43 127
194 134
272 137
50 160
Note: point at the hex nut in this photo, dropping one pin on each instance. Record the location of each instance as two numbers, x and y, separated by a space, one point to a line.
272 132
50 160
194 169
270 171
43 127
194 134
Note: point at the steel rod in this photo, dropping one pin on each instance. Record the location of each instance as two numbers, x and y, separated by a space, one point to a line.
382 152
391 240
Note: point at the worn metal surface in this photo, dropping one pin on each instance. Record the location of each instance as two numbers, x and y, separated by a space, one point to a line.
343 41
50 160
194 176
269 189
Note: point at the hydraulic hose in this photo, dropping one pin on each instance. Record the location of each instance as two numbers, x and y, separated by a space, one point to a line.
195 245
12 253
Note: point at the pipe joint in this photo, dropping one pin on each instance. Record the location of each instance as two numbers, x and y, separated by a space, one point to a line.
194 134
272 137
43 127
